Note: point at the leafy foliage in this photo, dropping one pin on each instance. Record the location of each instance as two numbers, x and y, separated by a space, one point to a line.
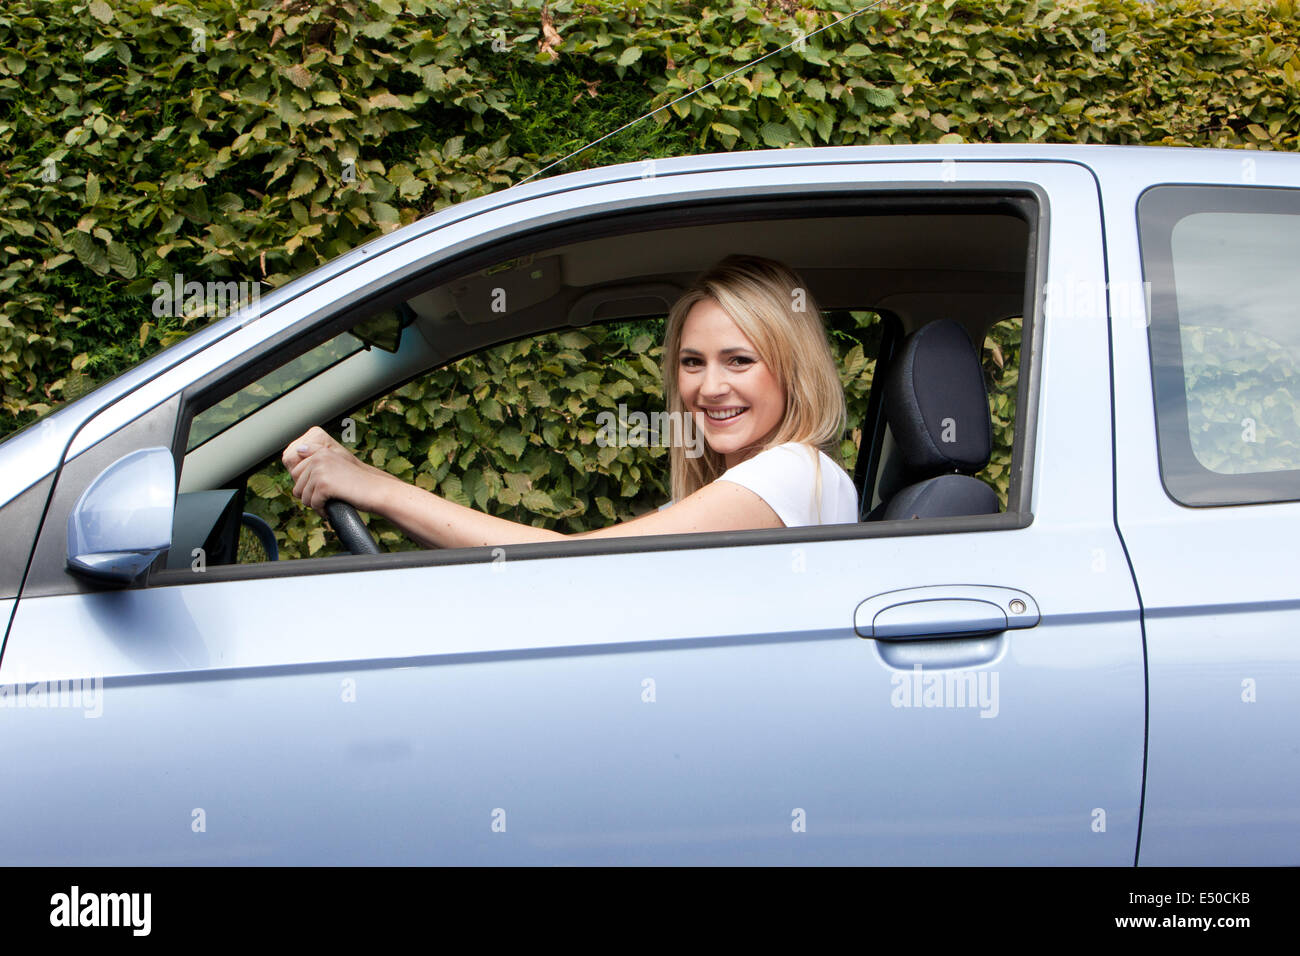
1001 359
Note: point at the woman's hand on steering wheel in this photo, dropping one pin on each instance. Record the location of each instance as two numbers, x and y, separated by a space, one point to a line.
324 470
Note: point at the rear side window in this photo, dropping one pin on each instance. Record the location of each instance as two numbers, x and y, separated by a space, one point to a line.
1223 265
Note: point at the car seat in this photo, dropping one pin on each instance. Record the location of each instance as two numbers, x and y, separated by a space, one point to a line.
939 429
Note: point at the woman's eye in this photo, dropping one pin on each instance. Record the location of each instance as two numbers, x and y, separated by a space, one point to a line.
736 361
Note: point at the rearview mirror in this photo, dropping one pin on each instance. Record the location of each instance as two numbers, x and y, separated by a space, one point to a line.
123 521
384 329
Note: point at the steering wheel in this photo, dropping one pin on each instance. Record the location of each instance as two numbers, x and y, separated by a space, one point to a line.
351 530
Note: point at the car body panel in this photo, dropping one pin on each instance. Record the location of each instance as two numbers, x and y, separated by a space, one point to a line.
741 736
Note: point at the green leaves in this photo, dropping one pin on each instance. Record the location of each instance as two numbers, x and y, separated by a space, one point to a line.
303 181
101 11
777 134
880 98
1001 360
512 442
91 254
121 260
263 485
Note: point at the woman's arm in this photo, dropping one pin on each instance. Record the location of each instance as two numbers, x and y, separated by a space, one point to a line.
719 506
323 469
436 522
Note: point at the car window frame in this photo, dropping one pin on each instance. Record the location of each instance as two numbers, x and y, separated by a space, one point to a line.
911 197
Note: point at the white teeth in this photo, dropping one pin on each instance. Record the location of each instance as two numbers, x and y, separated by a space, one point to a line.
722 416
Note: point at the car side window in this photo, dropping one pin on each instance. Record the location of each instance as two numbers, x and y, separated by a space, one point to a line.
529 387
1225 344
561 430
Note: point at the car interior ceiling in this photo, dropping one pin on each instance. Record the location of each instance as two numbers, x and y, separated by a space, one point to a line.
967 268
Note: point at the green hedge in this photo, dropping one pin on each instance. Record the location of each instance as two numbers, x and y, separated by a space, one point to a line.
255 139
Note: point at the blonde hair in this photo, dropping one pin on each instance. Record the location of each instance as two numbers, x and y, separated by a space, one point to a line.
777 313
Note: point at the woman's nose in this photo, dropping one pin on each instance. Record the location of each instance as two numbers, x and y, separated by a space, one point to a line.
715 382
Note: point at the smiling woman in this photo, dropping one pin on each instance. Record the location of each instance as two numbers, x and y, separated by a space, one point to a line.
746 356
755 369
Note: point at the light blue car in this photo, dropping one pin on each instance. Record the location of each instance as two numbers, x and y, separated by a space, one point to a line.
1106 670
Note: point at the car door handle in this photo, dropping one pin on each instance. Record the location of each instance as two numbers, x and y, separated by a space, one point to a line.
944 611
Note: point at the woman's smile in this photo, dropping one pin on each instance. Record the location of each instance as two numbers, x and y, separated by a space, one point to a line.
723 416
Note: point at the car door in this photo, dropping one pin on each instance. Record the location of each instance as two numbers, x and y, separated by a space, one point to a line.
688 699
1208 476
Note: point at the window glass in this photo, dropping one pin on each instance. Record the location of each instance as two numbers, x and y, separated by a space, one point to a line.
219 417
1238 289
1225 340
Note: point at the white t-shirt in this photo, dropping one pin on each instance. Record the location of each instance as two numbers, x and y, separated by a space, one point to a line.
785 477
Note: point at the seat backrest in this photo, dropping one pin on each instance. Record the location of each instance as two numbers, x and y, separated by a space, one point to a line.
938 416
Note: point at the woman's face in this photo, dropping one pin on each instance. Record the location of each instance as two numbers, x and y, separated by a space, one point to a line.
735 398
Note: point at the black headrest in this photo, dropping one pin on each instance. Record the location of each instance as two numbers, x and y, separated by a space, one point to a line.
936 405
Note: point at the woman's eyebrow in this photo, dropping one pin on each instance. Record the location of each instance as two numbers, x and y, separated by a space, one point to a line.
730 351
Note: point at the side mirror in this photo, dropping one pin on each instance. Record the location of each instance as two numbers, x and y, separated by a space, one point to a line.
123 521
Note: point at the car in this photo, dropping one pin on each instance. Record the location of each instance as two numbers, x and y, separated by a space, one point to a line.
1101 668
